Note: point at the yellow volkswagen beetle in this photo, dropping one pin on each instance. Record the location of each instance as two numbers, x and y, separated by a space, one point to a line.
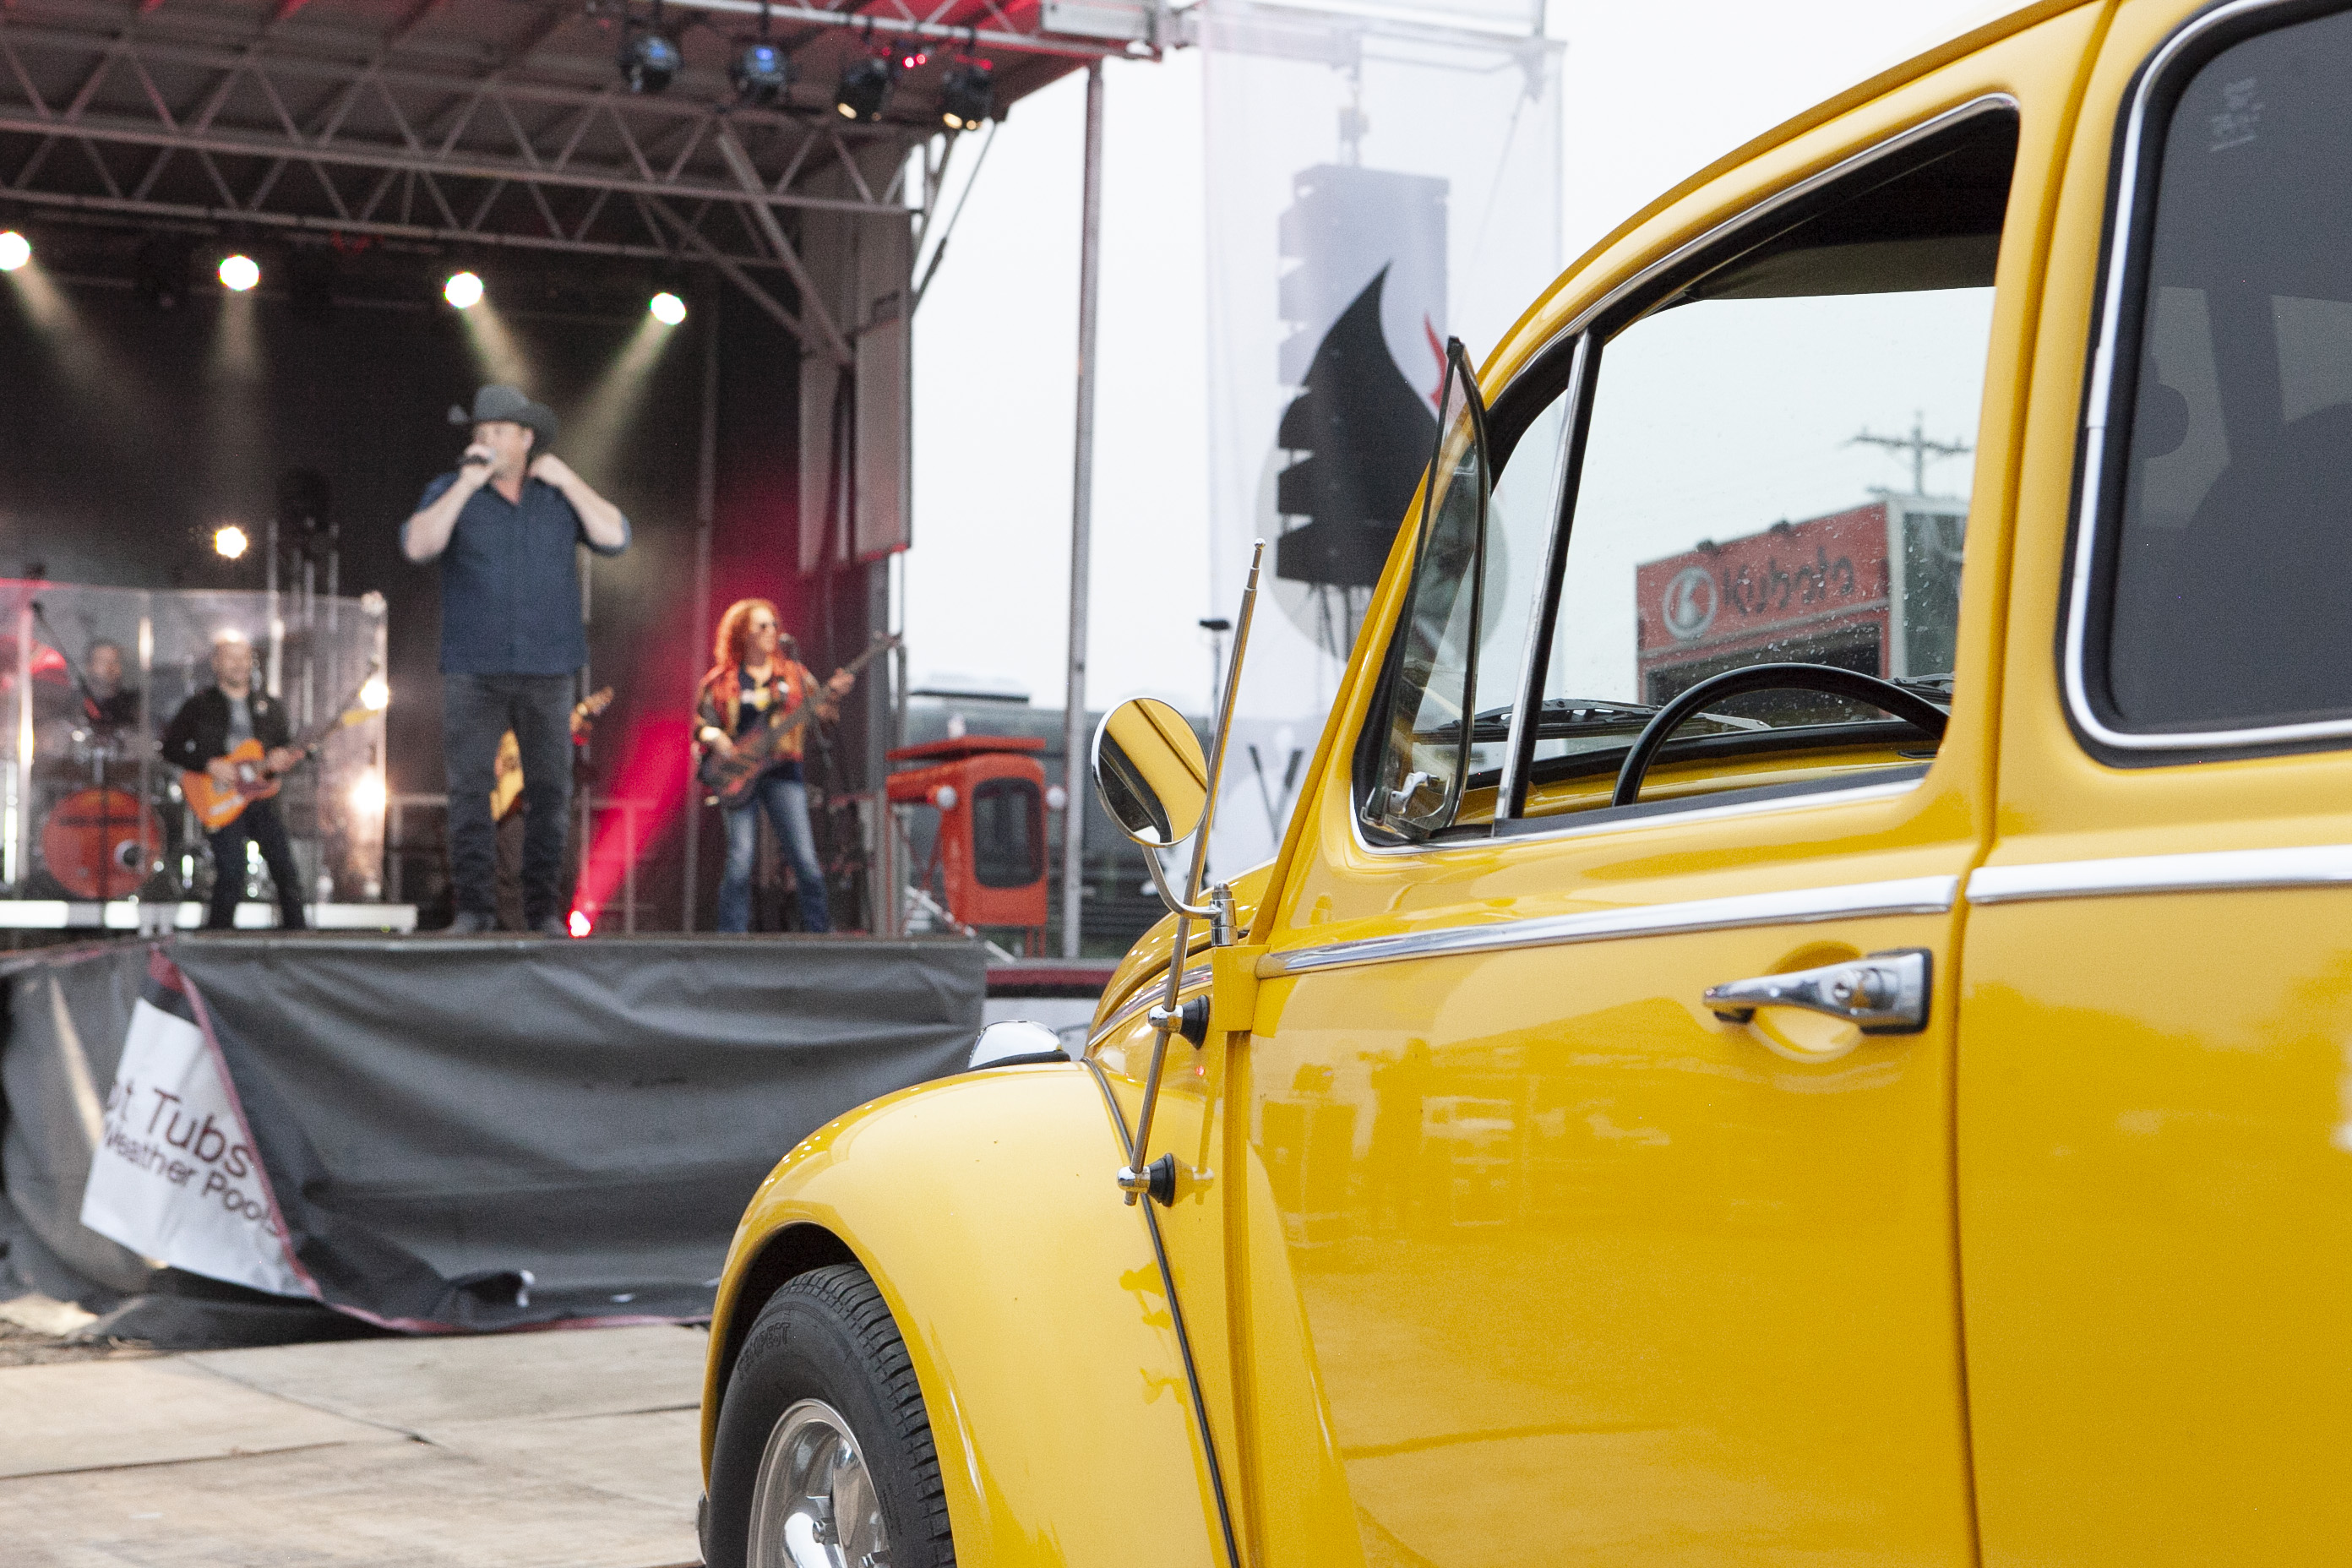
1805 1013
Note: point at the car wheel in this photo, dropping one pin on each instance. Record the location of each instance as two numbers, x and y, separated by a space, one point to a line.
824 1453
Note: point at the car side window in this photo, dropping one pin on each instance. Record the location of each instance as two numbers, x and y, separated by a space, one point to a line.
1776 470
1416 775
2221 498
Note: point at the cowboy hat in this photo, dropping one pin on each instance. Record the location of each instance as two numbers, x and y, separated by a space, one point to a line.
495 402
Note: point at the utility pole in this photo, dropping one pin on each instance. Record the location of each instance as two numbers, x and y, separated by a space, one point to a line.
1919 447
1082 508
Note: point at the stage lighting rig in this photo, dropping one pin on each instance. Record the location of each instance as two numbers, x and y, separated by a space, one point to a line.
463 290
15 251
230 541
968 95
761 72
865 87
668 309
649 58
239 272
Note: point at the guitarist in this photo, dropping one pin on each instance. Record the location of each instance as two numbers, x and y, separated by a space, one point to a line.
751 680
208 726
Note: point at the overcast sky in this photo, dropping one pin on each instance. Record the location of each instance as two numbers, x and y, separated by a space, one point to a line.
1651 92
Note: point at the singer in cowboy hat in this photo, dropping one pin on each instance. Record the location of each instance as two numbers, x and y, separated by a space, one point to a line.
504 526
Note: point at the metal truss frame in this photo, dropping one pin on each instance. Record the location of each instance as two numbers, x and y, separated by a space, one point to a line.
180 129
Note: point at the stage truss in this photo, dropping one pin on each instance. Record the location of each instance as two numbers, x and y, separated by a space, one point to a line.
465 123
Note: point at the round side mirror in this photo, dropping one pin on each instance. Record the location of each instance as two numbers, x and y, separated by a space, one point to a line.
1149 773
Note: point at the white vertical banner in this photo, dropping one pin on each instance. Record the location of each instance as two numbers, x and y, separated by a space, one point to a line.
1378 179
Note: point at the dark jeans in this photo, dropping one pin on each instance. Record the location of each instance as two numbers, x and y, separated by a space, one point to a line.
475 709
260 822
786 804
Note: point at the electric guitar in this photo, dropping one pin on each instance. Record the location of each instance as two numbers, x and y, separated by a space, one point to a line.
508 788
217 805
729 776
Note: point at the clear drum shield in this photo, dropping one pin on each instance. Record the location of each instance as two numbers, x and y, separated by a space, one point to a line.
89 680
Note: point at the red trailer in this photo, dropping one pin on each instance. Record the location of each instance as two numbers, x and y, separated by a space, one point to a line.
988 853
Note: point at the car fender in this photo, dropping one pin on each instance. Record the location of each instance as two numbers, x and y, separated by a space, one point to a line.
1032 1307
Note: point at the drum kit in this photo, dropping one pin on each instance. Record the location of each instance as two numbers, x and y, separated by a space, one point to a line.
98 839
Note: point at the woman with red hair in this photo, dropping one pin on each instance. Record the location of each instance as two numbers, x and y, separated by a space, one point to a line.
750 680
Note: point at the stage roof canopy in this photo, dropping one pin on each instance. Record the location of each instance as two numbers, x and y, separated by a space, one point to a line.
500 123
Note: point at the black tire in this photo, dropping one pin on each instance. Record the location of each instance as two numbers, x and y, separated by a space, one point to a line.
827 1335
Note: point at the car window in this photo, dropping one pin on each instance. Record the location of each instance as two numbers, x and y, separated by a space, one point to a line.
2228 487
1416 775
1777 470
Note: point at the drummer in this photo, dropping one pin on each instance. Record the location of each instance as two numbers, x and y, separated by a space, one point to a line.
109 704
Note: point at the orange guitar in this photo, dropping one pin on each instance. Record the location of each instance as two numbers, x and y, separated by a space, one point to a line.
508 788
217 805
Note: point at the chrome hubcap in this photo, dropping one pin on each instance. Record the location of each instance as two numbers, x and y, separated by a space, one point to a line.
812 1505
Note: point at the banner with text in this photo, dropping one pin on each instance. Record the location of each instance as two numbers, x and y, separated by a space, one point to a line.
1376 184
175 1176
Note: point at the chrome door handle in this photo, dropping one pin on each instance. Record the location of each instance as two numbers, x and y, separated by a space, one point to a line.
1886 992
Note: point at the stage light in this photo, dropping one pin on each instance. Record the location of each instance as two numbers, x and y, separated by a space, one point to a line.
668 309
230 543
375 694
463 290
580 924
760 73
648 61
367 795
239 272
865 90
15 251
967 95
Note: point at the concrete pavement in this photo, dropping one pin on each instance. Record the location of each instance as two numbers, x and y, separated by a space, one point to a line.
571 1448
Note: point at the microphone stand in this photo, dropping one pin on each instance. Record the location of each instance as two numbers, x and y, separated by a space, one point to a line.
90 707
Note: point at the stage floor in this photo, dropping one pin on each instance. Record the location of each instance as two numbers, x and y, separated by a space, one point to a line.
154 920
571 1448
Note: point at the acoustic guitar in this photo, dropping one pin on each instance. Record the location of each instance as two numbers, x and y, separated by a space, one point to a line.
508 788
217 805
729 776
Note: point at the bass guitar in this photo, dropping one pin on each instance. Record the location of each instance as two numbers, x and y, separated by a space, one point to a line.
729 776
217 805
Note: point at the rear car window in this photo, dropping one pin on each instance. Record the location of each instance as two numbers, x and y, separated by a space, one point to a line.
2225 488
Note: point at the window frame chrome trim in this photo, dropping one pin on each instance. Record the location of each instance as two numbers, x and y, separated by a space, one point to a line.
2097 420
1905 895
1582 325
2216 871
1546 605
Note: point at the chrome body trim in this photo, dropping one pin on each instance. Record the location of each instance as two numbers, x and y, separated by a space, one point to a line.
1582 322
1908 896
2304 866
2098 406
1149 993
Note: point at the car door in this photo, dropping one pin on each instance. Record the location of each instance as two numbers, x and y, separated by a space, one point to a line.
1571 1264
2156 1013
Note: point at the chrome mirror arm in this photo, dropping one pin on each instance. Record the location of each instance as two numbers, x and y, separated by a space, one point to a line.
1176 906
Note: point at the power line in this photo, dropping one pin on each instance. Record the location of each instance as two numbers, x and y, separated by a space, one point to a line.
1918 446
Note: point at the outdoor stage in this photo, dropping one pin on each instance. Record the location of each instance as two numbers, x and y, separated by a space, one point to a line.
437 1134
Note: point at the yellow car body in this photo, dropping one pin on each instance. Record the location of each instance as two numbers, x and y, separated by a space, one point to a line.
1496 1246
